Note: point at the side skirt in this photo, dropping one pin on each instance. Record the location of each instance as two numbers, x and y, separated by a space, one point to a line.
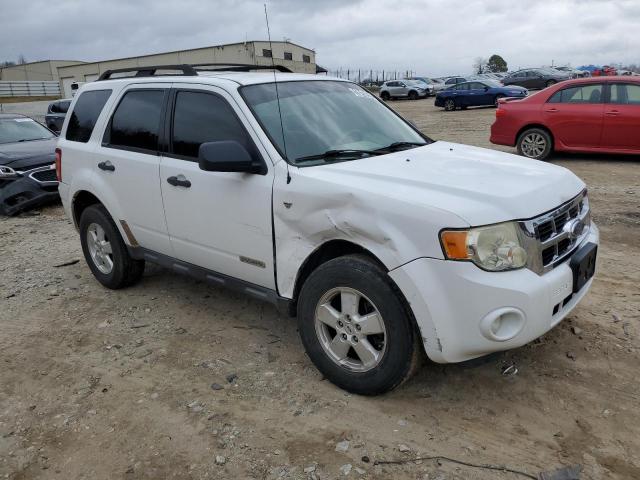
214 278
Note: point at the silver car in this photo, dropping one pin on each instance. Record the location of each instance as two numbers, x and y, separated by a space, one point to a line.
405 88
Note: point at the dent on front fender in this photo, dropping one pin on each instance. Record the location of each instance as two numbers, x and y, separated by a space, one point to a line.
309 212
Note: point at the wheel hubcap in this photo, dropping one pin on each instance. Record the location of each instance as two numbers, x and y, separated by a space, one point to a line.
533 145
449 105
350 329
100 248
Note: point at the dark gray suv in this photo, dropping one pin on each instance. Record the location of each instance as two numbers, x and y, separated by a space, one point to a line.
55 114
533 78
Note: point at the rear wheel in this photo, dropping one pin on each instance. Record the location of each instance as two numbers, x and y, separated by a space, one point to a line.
449 104
385 95
497 99
355 327
105 251
535 143
550 82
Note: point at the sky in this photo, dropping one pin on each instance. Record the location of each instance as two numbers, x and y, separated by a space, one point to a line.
428 37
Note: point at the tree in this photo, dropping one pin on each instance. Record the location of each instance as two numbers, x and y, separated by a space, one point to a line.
480 65
21 60
497 64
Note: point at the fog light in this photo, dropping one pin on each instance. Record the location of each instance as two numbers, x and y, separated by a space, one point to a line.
502 324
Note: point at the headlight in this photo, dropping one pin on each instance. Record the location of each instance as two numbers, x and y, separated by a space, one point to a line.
7 172
495 248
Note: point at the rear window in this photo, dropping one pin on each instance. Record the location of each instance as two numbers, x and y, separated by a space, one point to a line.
136 121
625 94
85 114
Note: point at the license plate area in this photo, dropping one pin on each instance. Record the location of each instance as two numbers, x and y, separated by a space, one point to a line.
583 265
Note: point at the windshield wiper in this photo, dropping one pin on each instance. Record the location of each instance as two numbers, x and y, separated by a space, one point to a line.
395 146
338 154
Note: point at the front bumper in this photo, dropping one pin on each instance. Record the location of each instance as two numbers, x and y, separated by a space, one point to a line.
452 301
32 189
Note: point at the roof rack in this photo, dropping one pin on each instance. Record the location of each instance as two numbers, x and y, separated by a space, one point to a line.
239 67
149 71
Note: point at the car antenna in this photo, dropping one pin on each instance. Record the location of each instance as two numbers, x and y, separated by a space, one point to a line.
275 82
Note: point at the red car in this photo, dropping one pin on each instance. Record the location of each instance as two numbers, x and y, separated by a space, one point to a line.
595 115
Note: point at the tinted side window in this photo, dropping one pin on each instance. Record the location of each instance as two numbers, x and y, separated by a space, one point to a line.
463 86
203 117
584 94
85 114
625 94
136 121
64 106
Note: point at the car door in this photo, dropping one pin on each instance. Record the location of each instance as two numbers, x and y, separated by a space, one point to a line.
217 220
474 94
127 163
402 90
575 115
622 118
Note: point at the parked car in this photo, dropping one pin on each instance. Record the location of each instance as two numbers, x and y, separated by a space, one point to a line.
595 115
56 112
436 85
449 82
27 171
382 241
476 94
535 78
604 71
572 72
405 88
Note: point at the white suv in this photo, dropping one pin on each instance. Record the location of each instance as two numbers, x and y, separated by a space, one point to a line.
314 195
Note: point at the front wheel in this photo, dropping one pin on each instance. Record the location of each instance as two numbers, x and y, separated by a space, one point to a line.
105 251
449 105
535 143
413 95
355 327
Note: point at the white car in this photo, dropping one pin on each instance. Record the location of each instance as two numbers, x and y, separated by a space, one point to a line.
317 197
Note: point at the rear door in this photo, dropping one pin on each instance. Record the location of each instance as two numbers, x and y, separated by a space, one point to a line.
217 220
575 115
622 118
127 163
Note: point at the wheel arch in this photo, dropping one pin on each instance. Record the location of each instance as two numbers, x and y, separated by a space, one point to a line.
81 200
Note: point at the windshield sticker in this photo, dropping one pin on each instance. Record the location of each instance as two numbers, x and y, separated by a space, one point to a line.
360 93
23 119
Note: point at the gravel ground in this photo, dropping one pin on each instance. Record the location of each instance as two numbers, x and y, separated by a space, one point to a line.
175 379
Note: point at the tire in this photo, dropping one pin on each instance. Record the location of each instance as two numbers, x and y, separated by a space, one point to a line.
413 95
385 96
449 105
497 99
337 352
550 83
535 143
109 262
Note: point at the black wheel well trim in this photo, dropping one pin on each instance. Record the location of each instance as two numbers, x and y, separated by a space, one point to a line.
81 200
538 126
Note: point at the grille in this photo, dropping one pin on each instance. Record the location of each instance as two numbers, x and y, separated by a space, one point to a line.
554 235
45 176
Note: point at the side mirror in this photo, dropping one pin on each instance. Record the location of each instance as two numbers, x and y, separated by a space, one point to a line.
227 156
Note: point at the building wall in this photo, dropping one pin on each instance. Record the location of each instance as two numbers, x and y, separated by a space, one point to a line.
245 52
35 71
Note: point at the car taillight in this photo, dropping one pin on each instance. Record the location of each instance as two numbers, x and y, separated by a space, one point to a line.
59 164
500 112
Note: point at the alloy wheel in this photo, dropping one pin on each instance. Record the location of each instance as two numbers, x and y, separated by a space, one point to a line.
100 248
533 145
350 329
449 105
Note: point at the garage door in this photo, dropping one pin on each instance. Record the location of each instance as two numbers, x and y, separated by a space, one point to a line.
66 86
91 78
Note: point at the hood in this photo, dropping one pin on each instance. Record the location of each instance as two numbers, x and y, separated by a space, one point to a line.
25 155
479 185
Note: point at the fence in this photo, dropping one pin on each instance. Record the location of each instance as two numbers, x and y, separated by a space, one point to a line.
370 76
30 89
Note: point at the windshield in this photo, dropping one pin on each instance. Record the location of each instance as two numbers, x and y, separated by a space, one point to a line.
326 116
22 129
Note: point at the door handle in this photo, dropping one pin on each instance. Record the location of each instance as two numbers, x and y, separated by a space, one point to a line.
612 113
179 182
107 166
552 110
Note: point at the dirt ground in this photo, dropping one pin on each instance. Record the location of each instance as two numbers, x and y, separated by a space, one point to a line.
132 384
